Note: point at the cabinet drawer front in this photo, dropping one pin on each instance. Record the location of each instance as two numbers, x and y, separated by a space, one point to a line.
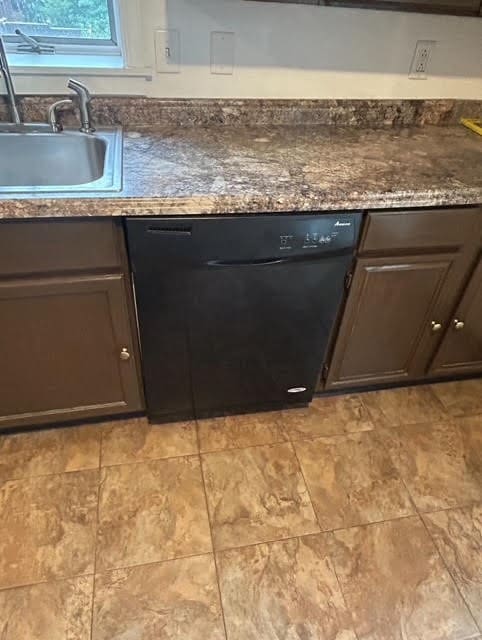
61 350
390 231
40 246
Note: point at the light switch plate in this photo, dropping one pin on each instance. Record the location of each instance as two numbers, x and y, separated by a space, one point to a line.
167 44
222 52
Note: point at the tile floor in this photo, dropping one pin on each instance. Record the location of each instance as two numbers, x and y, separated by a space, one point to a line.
359 518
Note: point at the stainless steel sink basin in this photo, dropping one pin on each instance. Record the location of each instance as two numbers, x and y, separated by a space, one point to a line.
34 159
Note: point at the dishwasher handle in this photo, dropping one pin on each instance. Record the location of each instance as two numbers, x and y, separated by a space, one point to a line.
246 263
272 261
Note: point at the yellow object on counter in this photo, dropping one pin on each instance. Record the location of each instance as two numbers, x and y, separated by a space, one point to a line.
473 124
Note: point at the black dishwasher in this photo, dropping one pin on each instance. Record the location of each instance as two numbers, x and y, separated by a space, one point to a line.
235 313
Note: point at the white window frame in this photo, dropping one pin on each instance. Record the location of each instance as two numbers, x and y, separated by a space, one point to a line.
46 73
74 46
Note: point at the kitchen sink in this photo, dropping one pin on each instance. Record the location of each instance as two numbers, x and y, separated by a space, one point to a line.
35 159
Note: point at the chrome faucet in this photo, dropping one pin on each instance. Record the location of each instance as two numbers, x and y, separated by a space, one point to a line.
84 105
53 117
5 71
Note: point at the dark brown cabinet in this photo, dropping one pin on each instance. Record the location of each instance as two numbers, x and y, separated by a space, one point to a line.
390 312
451 7
455 7
460 351
412 269
67 345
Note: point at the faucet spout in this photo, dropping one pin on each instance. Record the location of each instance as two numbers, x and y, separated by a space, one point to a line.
5 71
84 104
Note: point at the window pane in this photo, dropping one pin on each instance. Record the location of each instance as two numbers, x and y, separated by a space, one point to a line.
76 19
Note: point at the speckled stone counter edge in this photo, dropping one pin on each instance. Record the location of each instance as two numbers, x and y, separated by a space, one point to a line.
226 205
134 111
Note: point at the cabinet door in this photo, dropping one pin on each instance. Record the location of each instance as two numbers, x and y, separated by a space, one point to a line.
388 320
461 348
456 7
61 350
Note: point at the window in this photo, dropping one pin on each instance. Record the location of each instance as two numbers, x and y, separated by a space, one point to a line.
60 26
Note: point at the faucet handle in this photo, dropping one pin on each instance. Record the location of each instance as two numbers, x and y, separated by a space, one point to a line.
53 114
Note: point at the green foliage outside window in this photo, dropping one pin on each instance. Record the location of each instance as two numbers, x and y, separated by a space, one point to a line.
91 17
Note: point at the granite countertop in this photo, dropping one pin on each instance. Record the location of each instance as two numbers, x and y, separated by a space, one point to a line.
213 170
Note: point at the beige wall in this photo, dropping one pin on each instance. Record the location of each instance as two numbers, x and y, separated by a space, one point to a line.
300 51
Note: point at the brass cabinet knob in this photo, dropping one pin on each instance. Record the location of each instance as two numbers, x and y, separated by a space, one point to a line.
458 324
124 354
436 326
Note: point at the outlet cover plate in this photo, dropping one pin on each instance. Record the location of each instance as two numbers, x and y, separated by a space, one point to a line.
421 59
222 52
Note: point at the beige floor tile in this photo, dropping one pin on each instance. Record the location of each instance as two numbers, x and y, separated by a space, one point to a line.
352 480
407 405
236 432
58 610
396 585
283 590
49 451
135 440
441 463
47 527
458 536
256 495
174 600
328 416
151 511
463 397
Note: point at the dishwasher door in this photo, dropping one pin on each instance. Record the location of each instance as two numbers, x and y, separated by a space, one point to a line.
235 314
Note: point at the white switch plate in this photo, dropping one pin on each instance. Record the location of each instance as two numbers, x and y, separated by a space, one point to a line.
222 52
421 59
167 44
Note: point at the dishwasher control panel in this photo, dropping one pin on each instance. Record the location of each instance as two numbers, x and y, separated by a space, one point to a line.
319 234
260 239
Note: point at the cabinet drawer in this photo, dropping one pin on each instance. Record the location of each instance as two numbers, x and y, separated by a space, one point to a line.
49 246
389 231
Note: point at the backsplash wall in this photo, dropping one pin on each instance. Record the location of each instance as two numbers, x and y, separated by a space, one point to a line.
296 51
136 111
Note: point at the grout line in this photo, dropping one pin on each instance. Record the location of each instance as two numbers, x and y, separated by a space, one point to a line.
50 475
327 534
154 562
306 485
418 510
439 553
419 513
377 424
248 446
436 398
25 585
349 610
198 436
462 505
216 568
97 520
386 448
251 446
131 463
323 532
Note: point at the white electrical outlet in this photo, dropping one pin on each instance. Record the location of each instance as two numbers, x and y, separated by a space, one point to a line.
167 43
421 59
